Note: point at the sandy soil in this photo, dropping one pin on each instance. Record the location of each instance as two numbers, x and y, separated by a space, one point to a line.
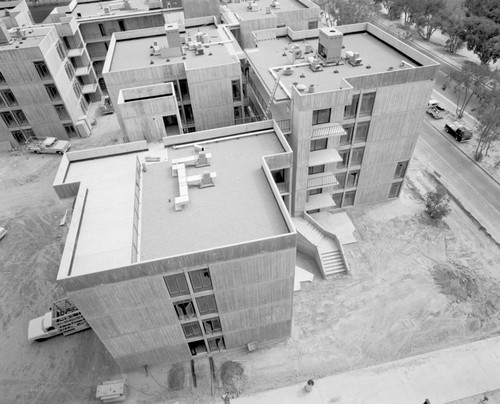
415 286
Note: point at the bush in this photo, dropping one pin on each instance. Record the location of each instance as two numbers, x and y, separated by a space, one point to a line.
436 203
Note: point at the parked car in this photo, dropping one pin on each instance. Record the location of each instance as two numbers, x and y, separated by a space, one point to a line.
48 145
459 132
435 110
3 232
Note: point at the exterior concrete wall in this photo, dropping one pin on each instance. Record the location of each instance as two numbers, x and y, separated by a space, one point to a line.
136 320
21 77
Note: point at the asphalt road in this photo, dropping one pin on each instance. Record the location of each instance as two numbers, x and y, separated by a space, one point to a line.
465 180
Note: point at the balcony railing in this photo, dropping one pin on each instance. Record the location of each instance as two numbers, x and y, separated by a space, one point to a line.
75 52
323 180
89 88
324 156
284 125
328 130
82 71
319 201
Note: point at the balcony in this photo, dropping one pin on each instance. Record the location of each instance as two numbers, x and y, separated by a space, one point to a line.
82 71
328 130
283 187
89 88
322 180
75 52
324 156
319 201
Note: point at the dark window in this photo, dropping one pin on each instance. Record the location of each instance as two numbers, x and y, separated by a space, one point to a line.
200 280
367 102
216 344
103 31
61 51
70 130
77 89
350 110
317 169
176 89
236 90
344 154
10 98
188 110
357 155
184 310
313 24
121 24
102 84
70 70
66 42
395 190
84 104
206 304
337 199
279 176
315 191
42 69
2 78
176 285
18 135
20 117
183 84
340 179
321 116
28 133
191 329
319 144
197 347
52 91
61 112
347 138
349 198
2 103
352 179
238 115
362 131
401 169
212 326
8 119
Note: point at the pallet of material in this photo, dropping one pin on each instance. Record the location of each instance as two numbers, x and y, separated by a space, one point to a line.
112 391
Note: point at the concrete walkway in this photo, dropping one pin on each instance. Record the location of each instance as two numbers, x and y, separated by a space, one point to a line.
440 376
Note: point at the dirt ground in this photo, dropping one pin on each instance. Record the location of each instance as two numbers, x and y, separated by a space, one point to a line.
415 286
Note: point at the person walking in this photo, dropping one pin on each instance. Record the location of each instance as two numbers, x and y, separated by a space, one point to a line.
309 386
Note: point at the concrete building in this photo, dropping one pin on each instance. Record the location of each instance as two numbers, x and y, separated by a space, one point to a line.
178 251
351 100
40 91
202 63
97 21
245 17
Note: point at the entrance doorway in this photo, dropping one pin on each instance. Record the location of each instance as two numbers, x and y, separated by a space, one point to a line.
171 125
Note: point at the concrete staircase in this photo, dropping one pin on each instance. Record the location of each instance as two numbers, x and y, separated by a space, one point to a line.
318 244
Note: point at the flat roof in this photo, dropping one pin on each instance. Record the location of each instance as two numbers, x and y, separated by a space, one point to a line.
96 9
276 53
26 37
239 208
214 53
105 236
244 13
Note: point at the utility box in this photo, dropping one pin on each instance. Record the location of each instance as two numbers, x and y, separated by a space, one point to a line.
330 45
82 126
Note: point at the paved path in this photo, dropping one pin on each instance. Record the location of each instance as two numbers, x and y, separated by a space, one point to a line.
477 192
440 376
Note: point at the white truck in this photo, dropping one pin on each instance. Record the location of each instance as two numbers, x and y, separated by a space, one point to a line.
62 318
48 145
435 110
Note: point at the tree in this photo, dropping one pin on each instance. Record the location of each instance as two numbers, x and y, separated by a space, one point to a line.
427 15
488 117
436 203
453 26
484 8
468 83
352 11
483 38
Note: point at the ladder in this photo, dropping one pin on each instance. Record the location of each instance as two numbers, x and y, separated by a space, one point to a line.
67 317
276 84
